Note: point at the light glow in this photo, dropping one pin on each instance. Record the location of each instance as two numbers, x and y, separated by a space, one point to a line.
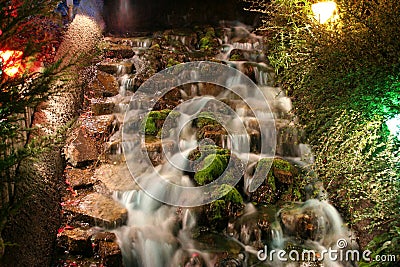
12 62
323 11
394 126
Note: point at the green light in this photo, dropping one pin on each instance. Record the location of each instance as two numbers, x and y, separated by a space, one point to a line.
394 126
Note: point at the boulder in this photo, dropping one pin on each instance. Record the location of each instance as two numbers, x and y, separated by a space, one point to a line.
115 67
97 209
101 106
115 177
80 149
75 241
103 85
119 51
79 178
106 247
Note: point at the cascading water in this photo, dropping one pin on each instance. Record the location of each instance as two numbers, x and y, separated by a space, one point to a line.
159 235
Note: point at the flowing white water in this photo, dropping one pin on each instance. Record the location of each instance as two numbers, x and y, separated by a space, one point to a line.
159 235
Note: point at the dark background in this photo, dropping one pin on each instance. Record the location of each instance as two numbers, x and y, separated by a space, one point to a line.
123 16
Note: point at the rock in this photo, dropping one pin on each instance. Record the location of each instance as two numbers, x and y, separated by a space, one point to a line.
115 177
282 182
97 209
80 149
103 85
105 245
110 253
156 149
210 89
76 241
115 67
98 126
101 106
237 55
119 51
79 178
216 133
302 225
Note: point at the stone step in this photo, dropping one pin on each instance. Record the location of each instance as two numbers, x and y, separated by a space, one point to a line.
97 210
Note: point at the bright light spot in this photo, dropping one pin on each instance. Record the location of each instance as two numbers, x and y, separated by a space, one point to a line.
394 125
12 61
323 11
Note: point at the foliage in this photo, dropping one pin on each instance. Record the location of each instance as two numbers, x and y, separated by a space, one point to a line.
31 27
344 79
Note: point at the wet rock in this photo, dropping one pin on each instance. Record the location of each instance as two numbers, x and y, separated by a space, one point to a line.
97 209
237 55
75 241
98 126
110 253
260 73
302 225
157 148
106 247
142 42
119 51
169 101
210 89
253 227
115 177
101 106
80 149
288 139
281 182
103 85
115 67
79 178
216 133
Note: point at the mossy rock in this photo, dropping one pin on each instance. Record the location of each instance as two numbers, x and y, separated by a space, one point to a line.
218 212
206 118
208 40
215 165
202 151
282 182
154 121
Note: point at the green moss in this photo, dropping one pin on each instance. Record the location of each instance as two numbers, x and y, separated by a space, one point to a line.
282 165
217 208
207 40
155 46
231 194
215 166
206 118
271 181
172 62
227 206
150 127
236 57
154 120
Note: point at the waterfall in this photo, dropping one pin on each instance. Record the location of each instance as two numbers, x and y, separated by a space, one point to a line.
157 234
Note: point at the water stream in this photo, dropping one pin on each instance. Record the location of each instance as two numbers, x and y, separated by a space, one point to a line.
159 235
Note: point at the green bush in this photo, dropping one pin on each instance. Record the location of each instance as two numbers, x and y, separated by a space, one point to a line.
344 79
31 27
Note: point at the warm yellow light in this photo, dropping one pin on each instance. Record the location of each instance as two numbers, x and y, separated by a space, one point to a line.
12 61
323 11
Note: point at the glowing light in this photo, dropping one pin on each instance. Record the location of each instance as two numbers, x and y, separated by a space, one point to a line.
12 61
323 11
394 126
